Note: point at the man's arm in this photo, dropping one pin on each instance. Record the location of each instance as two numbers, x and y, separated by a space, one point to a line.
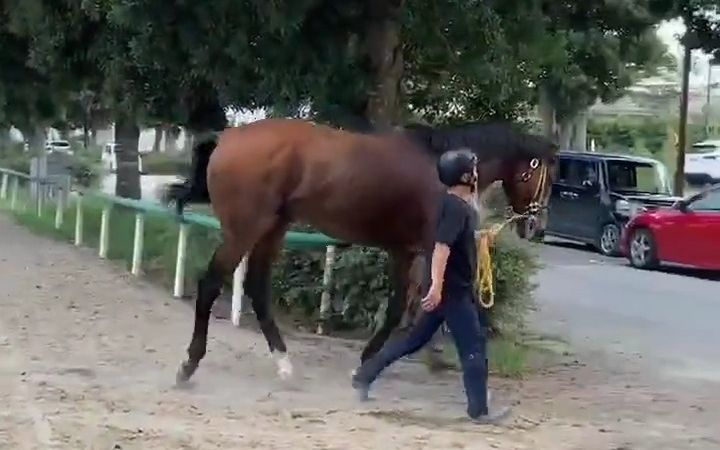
440 255
449 227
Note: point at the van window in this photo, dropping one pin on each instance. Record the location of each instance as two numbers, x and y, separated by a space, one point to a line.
636 176
577 172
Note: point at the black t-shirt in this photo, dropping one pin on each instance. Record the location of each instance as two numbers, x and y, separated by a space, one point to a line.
456 228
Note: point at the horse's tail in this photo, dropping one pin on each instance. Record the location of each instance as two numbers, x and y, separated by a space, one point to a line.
194 188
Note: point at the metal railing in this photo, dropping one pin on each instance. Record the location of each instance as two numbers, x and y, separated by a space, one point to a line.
10 187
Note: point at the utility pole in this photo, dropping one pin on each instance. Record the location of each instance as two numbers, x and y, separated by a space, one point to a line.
679 182
714 61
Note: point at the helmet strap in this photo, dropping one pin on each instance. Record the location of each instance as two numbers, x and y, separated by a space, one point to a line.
470 180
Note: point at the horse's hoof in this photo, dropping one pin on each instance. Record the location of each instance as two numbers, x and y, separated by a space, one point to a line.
185 371
284 367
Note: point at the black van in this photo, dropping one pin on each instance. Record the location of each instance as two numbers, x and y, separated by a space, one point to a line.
595 194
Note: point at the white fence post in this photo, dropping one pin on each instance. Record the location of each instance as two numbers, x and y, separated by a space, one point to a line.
138 244
4 186
104 232
179 287
14 192
325 299
79 220
40 199
59 209
238 291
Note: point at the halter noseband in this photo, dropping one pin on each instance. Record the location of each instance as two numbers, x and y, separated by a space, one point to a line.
535 205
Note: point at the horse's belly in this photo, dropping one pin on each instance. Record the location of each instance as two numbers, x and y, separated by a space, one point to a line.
380 221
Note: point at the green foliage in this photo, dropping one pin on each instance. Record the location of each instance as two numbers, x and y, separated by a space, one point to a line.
507 357
646 136
13 156
602 48
514 265
362 284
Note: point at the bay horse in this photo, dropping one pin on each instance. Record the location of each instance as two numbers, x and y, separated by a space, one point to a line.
378 190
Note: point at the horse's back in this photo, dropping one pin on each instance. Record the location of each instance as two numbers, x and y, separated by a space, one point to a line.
354 186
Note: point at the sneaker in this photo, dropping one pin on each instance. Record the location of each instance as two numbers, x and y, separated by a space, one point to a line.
494 417
362 390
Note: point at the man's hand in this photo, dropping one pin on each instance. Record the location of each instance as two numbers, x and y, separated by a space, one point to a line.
432 299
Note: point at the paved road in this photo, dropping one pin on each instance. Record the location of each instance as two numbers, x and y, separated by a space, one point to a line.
669 320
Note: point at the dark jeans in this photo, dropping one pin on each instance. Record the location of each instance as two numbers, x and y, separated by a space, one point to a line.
470 338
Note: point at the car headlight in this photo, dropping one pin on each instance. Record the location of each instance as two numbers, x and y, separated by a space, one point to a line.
622 207
629 209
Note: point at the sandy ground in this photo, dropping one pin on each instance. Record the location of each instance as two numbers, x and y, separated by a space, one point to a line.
88 356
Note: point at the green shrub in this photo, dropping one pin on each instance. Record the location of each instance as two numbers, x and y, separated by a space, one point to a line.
362 285
13 156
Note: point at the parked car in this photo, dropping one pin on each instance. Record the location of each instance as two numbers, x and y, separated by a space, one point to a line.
595 194
702 163
109 158
686 234
58 146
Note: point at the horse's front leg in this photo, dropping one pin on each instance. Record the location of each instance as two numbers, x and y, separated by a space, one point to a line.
258 286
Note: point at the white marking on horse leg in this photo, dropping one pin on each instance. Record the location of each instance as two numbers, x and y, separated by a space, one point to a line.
284 365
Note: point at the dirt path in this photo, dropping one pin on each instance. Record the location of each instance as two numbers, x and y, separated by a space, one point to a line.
88 356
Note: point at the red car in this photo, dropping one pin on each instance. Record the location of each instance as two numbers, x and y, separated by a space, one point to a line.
687 234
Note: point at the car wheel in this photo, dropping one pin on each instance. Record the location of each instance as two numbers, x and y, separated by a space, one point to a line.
609 240
643 252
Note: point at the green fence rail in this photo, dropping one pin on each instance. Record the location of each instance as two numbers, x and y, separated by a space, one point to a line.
10 187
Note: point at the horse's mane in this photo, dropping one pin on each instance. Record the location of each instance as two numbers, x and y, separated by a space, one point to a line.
488 140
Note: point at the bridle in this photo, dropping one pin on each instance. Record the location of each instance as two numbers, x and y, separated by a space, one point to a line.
536 204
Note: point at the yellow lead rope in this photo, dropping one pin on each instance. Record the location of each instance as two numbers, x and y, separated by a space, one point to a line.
484 283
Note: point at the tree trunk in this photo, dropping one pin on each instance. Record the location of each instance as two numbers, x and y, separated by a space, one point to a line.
158 138
191 137
4 139
580 124
127 135
87 126
565 133
36 139
383 48
171 136
86 136
679 181
547 113
64 131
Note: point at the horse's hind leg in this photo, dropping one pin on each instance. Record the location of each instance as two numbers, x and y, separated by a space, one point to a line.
258 286
403 263
226 257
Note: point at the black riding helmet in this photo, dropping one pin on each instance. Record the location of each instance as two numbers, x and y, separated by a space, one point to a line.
454 164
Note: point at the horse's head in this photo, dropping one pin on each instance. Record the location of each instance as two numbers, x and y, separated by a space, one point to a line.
523 162
527 185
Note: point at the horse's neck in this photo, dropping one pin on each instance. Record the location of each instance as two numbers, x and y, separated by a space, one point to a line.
489 172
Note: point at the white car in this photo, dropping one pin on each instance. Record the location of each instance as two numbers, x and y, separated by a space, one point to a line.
702 163
58 146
